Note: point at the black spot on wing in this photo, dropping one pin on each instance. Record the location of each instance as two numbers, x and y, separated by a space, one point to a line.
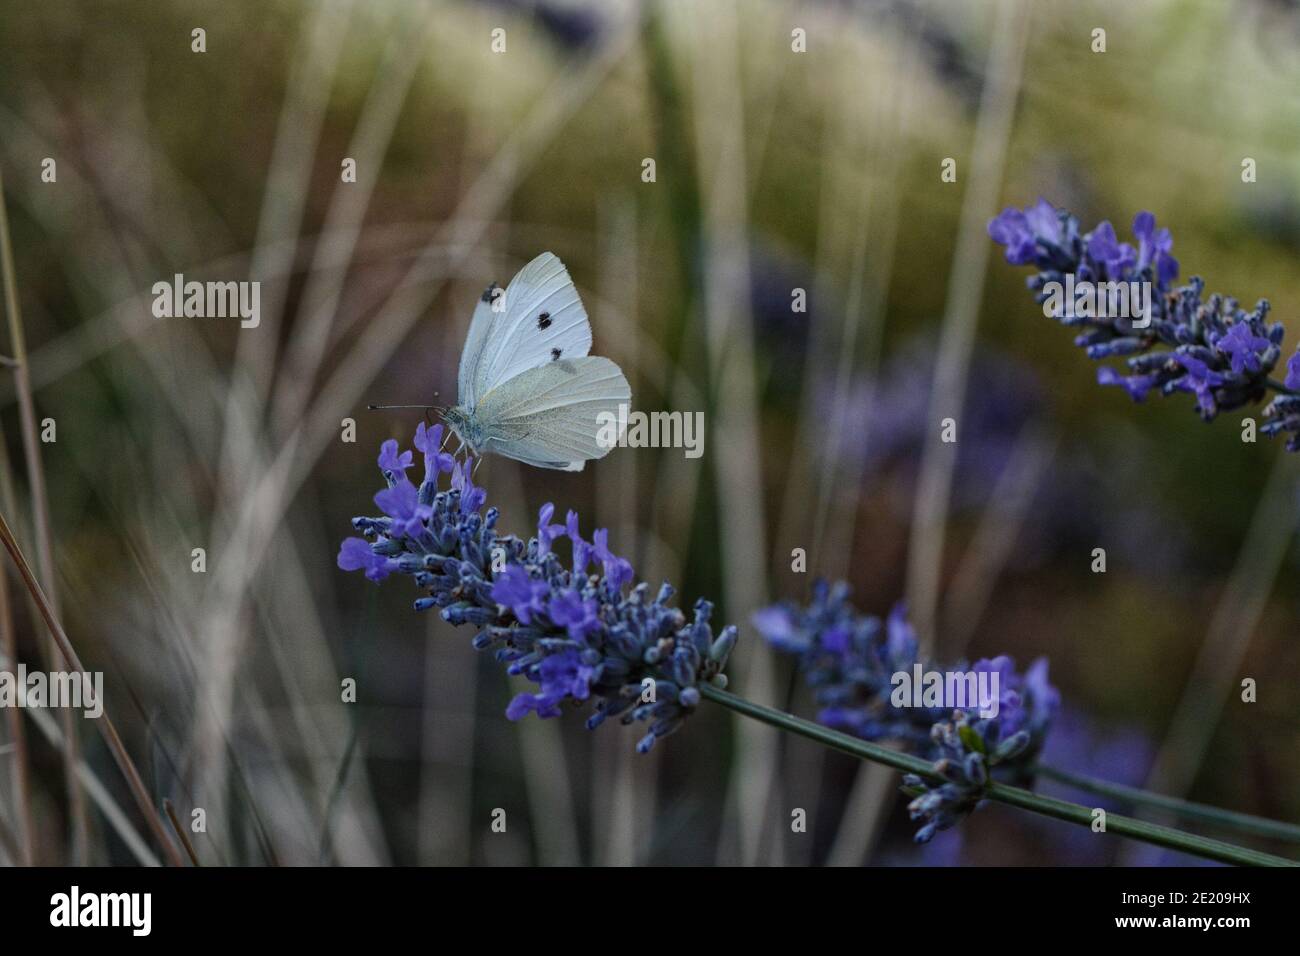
555 355
544 321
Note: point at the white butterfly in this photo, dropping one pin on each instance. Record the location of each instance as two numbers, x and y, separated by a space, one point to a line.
527 388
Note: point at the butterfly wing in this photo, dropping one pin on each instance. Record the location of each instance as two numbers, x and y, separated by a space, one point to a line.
554 415
472 354
539 320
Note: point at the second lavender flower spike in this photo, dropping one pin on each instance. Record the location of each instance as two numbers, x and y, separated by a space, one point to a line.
1207 346
852 662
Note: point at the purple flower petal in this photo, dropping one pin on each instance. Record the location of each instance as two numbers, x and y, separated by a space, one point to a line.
520 591
392 462
355 554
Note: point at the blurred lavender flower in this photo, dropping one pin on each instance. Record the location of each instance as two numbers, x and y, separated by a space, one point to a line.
1120 755
1076 501
884 419
1283 414
849 661
1084 499
572 24
577 635
1209 347
784 332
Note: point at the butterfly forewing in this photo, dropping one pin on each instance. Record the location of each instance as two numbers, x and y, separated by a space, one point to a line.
541 319
471 357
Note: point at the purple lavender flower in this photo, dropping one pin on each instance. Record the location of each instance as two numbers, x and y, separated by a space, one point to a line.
561 675
1283 414
1037 230
849 660
1118 257
1202 381
1137 386
547 532
965 758
970 750
1243 347
617 570
1208 347
777 625
393 464
401 502
578 636
581 548
472 498
1011 229
576 614
355 554
521 592
1154 246
436 461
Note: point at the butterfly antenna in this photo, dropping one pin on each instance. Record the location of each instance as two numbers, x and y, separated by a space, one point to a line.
373 407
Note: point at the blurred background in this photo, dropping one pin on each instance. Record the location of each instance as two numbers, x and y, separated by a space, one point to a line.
775 171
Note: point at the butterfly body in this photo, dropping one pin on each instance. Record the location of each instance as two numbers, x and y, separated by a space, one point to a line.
464 426
527 389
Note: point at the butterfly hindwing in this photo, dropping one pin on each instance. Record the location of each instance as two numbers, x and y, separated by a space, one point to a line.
553 416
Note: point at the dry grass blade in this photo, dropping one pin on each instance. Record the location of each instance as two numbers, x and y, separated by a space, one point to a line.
109 732
26 836
99 795
26 854
729 342
1218 662
995 538
40 516
961 314
872 794
180 832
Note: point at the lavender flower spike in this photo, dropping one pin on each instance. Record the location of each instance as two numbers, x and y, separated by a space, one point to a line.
1206 346
850 661
576 634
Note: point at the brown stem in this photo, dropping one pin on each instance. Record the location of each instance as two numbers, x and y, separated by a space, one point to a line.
40 519
22 781
180 831
106 728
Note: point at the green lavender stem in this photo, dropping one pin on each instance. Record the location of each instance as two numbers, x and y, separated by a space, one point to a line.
1013 796
1228 819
